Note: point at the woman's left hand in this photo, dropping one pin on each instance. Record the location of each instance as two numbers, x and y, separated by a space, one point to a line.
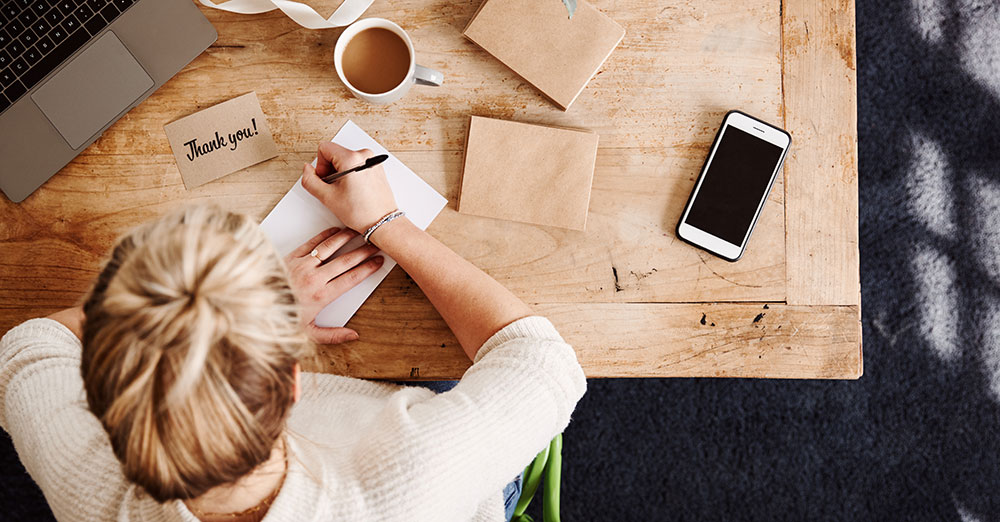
318 279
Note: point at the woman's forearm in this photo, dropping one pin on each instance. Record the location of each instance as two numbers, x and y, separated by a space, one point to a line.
474 305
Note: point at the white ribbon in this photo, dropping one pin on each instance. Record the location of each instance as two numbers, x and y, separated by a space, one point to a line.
301 13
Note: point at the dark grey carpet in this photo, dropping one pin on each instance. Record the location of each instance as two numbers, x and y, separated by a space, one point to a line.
917 437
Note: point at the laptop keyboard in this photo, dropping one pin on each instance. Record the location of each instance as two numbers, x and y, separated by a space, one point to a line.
38 35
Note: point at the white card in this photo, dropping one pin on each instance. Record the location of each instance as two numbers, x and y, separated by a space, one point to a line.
299 216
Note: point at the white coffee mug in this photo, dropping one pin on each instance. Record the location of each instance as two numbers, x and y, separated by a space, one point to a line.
415 74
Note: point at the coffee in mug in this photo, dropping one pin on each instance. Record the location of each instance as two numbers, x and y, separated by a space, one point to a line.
375 60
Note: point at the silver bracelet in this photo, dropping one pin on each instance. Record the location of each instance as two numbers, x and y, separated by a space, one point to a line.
385 219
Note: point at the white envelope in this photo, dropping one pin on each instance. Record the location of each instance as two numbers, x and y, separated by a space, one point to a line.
299 216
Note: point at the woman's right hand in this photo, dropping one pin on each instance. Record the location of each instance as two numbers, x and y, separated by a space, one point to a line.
358 200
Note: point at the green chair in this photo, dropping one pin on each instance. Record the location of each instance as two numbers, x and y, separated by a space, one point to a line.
547 463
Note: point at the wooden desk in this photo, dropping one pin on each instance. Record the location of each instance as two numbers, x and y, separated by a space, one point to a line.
632 299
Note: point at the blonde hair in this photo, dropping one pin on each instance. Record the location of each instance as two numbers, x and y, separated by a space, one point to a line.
190 342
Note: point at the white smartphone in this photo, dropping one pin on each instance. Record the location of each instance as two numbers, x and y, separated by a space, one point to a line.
730 192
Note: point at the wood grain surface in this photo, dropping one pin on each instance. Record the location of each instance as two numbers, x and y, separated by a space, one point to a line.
617 340
621 292
821 171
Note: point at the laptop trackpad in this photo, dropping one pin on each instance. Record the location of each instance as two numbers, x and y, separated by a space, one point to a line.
92 89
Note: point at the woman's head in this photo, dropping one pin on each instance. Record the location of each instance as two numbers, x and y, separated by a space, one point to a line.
189 350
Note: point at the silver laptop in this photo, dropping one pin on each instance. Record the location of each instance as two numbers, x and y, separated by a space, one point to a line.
71 68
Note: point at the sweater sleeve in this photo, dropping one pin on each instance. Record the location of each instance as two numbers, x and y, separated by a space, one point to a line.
42 406
437 458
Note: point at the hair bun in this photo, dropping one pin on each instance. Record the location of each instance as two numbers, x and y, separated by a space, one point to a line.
191 333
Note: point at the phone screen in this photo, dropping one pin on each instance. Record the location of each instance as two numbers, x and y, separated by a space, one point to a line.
734 185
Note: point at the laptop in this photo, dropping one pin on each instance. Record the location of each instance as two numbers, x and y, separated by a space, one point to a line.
71 68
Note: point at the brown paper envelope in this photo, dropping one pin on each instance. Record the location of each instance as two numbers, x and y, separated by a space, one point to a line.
220 140
528 173
538 40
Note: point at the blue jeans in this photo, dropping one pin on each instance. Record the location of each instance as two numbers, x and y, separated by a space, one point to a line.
512 491
511 494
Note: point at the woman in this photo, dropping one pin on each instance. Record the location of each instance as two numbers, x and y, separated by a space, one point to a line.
175 392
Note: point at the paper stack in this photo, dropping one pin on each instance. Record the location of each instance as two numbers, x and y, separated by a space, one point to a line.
529 173
538 40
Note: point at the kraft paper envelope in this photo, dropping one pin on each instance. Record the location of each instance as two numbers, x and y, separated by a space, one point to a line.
538 40
220 140
299 216
528 173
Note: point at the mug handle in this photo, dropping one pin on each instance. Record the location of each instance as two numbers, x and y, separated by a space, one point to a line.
426 76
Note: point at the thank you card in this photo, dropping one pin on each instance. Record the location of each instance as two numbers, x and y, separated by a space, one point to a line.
220 140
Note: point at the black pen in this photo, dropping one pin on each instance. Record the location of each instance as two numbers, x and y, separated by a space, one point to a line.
369 163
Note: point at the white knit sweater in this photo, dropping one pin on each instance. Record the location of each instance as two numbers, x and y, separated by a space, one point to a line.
359 450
